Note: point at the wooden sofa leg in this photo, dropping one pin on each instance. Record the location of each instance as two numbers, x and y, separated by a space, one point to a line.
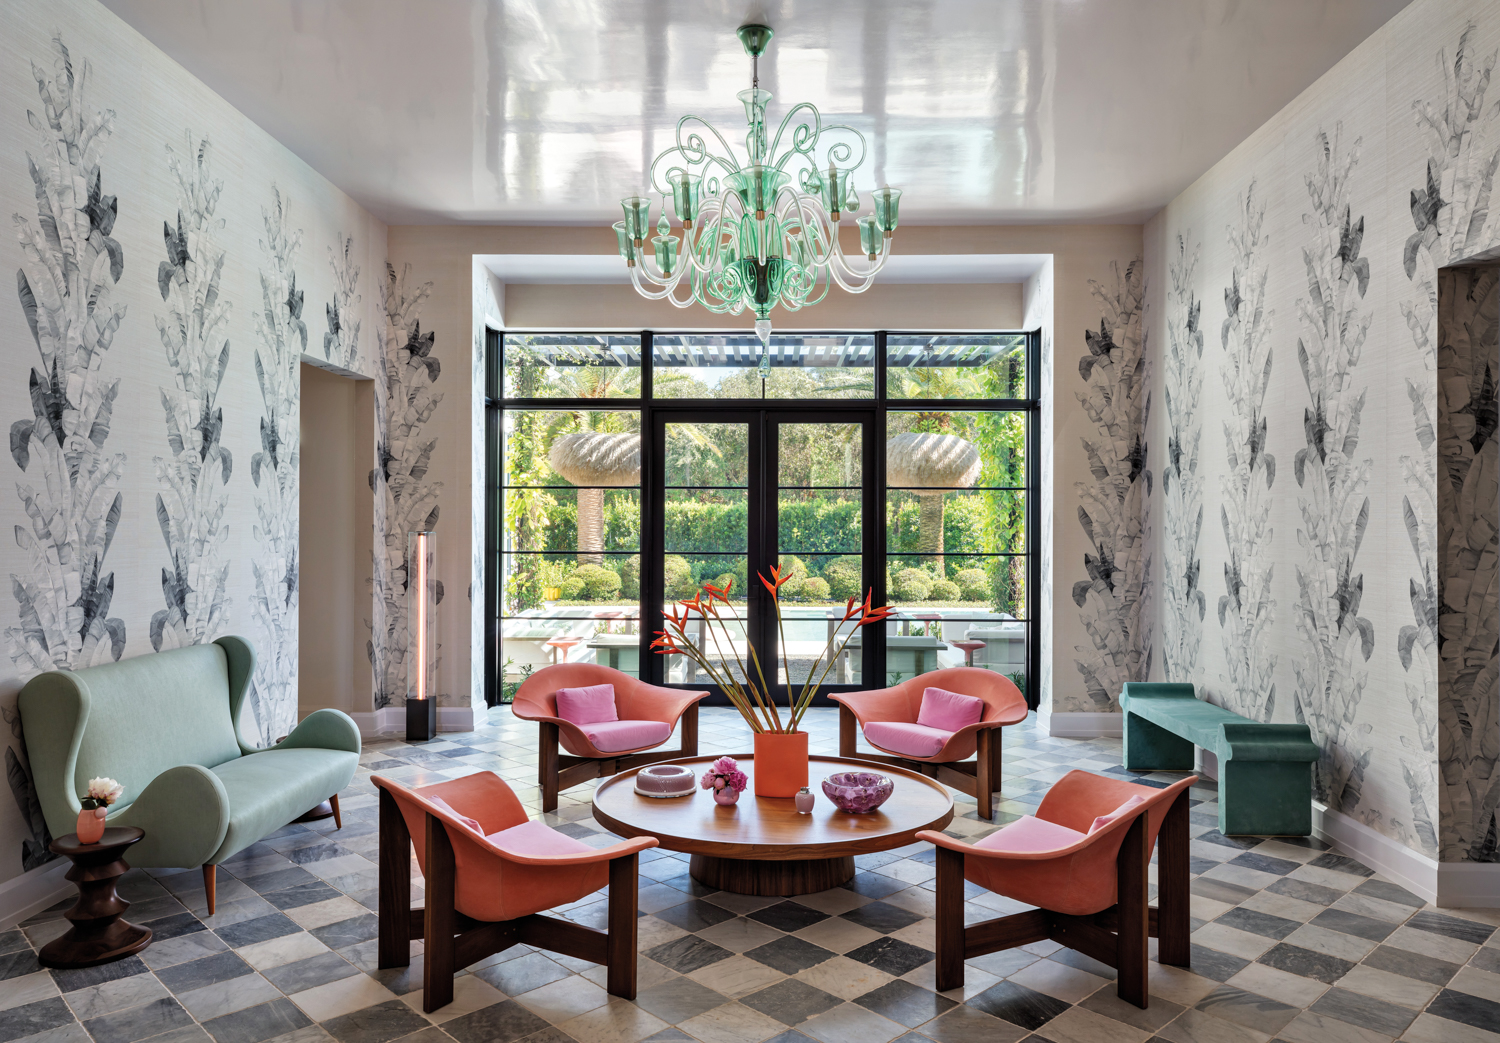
950 919
1134 917
209 879
338 817
984 760
623 899
441 919
394 946
690 731
547 765
848 731
1173 881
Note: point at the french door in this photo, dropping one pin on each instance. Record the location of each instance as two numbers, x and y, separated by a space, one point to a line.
731 493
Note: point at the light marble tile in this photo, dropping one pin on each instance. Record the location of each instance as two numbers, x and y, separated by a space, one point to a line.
732 1023
1429 1028
1077 1025
222 998
321 914
1058 980
834 901
919 901
651 932
564 999
1332 943
739 934
1194 1026
182 949
470 993
617 1021
27 988
1309 1027
843 977
1426 943
110 996
1280 905
740 904
647 974
922 934
1476 982
737 976
1252 878
851 1023
278 951
837 934
1177 984
1292 989
1383 985
975 980
1239 943
344 996
1376 908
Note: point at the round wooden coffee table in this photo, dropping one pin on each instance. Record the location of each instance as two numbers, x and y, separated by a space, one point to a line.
761 845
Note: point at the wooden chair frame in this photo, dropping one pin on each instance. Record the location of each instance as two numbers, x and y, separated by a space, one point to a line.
1117 937
979 778
557 771
453 940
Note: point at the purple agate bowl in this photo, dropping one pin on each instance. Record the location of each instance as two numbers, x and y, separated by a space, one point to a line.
858 792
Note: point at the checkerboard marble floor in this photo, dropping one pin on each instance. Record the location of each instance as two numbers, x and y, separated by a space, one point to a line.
1291 942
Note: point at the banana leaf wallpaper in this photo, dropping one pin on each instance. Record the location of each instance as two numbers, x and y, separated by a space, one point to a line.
1112 504
162 254
1356 480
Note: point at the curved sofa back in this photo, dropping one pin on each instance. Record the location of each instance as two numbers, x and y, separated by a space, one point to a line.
132 721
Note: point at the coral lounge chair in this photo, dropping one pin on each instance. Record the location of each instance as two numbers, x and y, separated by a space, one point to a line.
940 755
653 711
1090 888
486 887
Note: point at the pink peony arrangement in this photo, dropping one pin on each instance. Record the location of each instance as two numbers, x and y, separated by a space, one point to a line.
724 773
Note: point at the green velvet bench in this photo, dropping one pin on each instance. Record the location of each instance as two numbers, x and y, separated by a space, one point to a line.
166 726
1265 770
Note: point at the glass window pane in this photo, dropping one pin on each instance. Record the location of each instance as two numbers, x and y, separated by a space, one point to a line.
995 439
572 365
973 521
720 365
933 640
962 366
991 583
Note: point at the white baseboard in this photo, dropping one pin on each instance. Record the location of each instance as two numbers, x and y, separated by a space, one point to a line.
1455 885
390 720
1081 725
30 893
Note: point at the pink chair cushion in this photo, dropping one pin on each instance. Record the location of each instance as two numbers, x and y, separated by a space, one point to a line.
949 711
1123 809
537 840
610 736
592 705
1031 834
450 809
914 740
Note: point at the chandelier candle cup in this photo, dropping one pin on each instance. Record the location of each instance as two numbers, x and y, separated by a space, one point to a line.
759 225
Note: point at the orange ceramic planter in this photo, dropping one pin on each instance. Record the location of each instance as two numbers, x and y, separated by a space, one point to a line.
780 763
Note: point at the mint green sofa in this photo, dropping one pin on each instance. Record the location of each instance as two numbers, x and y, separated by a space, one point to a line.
166 727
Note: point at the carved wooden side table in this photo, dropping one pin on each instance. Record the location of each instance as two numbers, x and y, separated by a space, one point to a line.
98 934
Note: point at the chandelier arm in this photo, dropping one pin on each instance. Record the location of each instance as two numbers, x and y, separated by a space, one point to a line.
800 135
714 244
820 226
695 143
840 151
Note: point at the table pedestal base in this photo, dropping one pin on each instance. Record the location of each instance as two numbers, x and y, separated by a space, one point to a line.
98 934
768 879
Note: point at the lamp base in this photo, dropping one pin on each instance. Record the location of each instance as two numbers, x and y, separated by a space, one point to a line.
421 719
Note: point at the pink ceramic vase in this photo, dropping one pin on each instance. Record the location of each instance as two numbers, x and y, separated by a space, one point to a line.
726 795
91 825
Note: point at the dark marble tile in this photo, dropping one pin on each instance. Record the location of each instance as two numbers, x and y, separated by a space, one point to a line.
1346 922
1211 963
696 915
12 941
677 1000
1411 965
305 974
789 1036
348 932
576 830
30 1018
688 953
174 926
1018 1005
1213 836
83 977
384 765
1296 960
791 1002
891 955
378 1024
875 885
1304 891
300 895
402 980
133 1023
522 974
1073 958
1486 959
1341 864
15 964
499 1023
1248 1009
186 1034
1471 931
1388 892
790 916
1365 1011
875 860
882 917
669 1036
905 1003
260 929
280 879
1263 924
185 977
1265 863
553 1034
1469 1010
789 955
320 852
1220 890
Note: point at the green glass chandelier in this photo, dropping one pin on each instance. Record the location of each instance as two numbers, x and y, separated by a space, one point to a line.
760 233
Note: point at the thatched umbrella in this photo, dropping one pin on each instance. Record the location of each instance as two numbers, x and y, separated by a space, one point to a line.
595 458
929 466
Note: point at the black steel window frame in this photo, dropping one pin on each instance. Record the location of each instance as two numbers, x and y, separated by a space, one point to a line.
873 411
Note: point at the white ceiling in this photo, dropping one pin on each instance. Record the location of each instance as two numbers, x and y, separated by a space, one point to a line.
548 111
945 269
